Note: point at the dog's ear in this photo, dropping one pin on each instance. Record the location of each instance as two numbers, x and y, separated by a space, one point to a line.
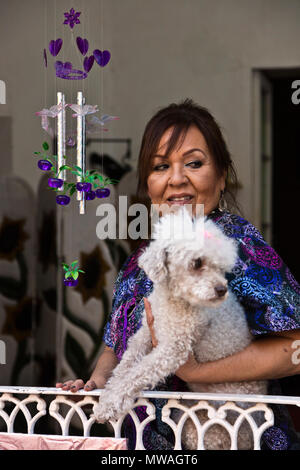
154 261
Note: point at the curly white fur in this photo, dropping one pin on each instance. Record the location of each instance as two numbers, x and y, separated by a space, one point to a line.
189 317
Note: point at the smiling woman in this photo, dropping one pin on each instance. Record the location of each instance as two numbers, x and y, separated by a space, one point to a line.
187 176
184 160
183 155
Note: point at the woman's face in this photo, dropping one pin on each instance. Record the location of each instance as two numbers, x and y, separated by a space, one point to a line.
189 171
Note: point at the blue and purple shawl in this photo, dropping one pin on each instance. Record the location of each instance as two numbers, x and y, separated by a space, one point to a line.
264 286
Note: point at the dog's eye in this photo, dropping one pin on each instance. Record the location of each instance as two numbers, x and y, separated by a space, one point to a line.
197 263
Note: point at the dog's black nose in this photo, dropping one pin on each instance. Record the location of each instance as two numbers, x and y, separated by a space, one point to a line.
220 290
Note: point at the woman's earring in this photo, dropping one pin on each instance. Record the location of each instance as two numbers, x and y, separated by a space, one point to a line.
222 202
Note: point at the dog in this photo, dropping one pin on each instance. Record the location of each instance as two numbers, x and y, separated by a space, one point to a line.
194 313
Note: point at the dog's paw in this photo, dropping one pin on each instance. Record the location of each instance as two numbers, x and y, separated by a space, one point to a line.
104 412
111 410
102 415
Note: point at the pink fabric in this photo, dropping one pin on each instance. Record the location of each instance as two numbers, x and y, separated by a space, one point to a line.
17 441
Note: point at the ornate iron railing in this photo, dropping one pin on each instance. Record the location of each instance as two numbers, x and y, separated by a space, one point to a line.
35 403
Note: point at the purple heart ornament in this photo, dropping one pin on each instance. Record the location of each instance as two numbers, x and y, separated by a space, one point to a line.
61 65
66 71
55 46
88 63
82 44
58 64
102 58
45 58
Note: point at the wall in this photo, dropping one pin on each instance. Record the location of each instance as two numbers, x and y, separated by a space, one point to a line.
162 51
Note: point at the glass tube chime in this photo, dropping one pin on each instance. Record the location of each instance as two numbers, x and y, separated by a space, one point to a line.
61 142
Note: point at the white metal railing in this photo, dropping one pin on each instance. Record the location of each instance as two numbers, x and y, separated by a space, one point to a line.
63 409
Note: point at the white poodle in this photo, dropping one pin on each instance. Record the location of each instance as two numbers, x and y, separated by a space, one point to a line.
194 312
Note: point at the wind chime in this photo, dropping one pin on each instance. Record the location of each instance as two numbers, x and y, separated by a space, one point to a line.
89 184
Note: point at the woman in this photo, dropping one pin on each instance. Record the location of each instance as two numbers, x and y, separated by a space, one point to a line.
184 159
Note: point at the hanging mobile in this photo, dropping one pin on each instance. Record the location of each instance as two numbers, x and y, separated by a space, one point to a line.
89 184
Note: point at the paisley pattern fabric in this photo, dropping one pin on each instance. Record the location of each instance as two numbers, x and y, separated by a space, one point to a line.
264 286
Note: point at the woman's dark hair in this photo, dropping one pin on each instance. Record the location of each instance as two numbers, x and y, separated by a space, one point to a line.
182 116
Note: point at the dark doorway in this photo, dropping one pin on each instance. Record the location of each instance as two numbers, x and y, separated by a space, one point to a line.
286 178
286 173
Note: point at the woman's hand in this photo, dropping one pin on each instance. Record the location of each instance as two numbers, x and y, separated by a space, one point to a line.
150 321
187 371
75 385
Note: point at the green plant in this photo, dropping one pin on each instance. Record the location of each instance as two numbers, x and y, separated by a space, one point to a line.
45 147
53 160
71 270
90 176
105 181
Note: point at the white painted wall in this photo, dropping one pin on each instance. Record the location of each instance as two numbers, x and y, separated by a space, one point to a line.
162 51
